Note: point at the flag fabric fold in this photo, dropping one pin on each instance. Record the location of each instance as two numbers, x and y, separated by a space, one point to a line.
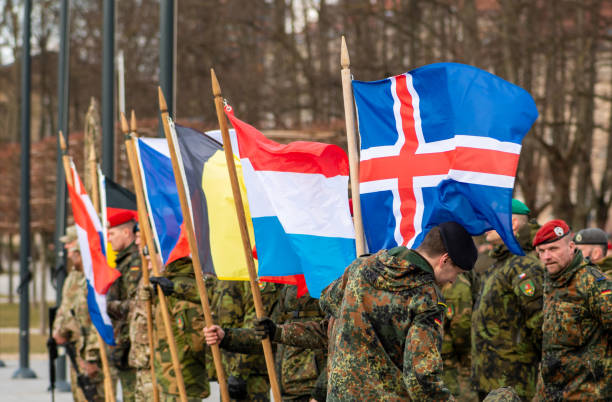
298 199
98 274
439 143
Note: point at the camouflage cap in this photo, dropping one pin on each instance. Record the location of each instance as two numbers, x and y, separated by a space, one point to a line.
504 394
591 236
70 236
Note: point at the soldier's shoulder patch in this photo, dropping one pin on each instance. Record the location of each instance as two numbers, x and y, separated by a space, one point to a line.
522 275
438 321
450 311
135 268
527 287
606 292
180 323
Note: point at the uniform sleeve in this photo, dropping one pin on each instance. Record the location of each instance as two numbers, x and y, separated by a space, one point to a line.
241 340
305 334
422 360
599 297
459 307
331 296
193 326
91 352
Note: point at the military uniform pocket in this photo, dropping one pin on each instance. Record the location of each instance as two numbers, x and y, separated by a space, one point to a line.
567 325
299 370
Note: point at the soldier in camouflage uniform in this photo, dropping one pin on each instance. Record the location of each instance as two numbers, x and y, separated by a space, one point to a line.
179 285
72 322
507 315
122 295
247 374
302 374
456 344
593 243
386 339
577 346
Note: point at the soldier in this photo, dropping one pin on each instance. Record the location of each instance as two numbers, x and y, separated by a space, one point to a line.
72 322
187 318
247 374
140 353
576 347
122 295
456 345
302 373
593 243
507 315
388 311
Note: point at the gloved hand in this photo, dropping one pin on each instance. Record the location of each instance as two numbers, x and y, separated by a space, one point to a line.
265 328
167 286
237 388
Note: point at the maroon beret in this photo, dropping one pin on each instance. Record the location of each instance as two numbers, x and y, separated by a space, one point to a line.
121 217
551 231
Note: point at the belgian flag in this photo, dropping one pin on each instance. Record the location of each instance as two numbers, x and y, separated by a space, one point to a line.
212 204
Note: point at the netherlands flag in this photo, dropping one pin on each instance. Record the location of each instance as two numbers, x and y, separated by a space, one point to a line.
439 143
98 274
298 201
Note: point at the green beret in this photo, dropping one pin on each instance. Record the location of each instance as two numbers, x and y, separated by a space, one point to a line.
518 208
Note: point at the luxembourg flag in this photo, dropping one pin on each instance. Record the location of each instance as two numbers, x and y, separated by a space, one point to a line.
298 201
98 274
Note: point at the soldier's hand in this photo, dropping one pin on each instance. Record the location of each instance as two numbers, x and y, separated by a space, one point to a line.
237 388
90 369
214 335
145 293
265 328
167 286
60 340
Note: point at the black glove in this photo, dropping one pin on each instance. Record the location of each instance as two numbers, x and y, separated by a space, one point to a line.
265 328
237 388
167 286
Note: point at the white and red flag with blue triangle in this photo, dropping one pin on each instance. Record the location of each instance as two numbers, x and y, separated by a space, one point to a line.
439 143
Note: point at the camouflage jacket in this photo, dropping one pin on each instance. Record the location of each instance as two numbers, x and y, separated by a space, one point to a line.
605 265
577 345
121 295
187 320
456 344
386 339
301 371
235 309
507 322
72 319
139 334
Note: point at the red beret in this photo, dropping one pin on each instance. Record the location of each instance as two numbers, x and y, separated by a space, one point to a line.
551 231
121 217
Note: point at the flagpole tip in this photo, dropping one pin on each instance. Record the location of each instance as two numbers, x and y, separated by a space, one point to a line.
345 61
124 124
133 126
216 88
163 106
62 141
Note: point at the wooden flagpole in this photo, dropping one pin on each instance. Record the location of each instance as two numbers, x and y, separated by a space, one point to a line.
144 226
248 253
353 147
109 395
193 246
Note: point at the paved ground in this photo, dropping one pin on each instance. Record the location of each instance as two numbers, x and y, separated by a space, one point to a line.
36 390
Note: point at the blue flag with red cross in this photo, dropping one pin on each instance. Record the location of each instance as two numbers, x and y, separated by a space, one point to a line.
439 143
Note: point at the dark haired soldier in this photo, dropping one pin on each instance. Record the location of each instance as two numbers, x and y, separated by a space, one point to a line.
388 311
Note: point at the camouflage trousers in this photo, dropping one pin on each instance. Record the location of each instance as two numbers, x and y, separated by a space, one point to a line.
258 389
457 379
144 386
77 392
128 384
